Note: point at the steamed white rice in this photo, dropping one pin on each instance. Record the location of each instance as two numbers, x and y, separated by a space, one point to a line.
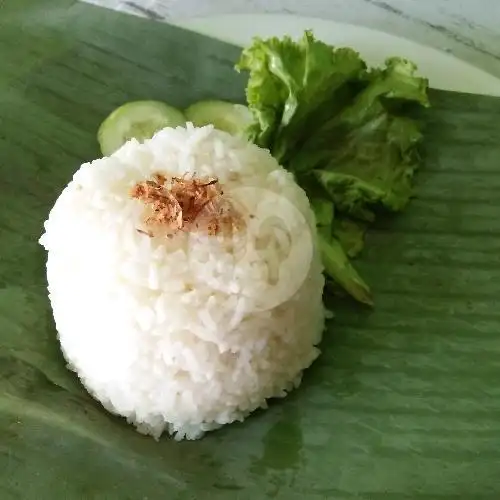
185 334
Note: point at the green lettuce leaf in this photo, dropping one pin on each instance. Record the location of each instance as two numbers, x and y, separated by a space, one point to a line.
294 86
350 135
350 233
334 257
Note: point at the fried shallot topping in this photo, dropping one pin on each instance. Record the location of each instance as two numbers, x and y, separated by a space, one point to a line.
179 204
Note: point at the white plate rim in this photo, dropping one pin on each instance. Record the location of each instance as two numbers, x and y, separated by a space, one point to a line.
444 70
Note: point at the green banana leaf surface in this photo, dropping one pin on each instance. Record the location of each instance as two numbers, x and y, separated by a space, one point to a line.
404 402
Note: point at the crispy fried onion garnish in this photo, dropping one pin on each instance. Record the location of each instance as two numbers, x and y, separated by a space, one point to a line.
174 204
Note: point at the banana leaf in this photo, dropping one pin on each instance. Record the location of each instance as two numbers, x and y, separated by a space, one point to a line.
404 402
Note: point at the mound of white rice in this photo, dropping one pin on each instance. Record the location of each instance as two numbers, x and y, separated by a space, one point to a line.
189 333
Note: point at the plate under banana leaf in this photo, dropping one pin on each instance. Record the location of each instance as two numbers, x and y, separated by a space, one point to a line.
404 402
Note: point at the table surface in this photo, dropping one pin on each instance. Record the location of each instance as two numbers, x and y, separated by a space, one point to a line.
468 29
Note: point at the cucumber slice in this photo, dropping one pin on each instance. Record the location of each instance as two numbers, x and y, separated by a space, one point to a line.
139 120
223 115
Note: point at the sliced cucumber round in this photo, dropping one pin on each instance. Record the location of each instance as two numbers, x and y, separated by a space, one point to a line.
223 115
139 120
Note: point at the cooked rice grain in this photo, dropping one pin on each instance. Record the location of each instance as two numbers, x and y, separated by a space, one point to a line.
186 333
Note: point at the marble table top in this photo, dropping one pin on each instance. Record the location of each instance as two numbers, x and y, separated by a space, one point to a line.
470 29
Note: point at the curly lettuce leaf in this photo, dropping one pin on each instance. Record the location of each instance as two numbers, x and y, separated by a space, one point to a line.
350 234
334 257
348 133
290 83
